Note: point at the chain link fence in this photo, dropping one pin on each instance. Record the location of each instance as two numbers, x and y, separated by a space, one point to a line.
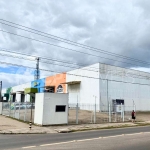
78 113
21 111
88 113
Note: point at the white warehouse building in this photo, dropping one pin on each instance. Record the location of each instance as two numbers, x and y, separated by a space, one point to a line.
110 83
99 82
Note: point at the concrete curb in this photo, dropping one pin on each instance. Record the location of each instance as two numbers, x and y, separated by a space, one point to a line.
29 132
63 130
72 129
99 128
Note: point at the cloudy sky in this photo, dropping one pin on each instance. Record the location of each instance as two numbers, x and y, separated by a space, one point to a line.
121 27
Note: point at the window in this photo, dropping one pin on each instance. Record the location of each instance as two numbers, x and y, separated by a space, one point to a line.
60 108
60 89
50 89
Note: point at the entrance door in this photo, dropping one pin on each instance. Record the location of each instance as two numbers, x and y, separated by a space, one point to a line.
74 93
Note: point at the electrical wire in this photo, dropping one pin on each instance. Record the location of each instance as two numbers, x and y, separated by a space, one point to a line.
47 62
11 64
66 48
70 42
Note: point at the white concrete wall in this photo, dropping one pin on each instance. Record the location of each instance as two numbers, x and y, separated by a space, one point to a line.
133 92
39 106
89 86
45 109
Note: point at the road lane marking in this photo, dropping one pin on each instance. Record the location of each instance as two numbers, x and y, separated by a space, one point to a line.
58 143
88 139
112 136
28 147
134 133
146 132
92 139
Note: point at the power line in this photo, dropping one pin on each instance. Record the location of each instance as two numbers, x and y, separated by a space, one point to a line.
66 48
70 73
71 42
59 37
47 58
47 62
20 57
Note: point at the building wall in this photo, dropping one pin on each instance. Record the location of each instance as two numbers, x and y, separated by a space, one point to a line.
88 88
39 84
125 84
15 89
104 81
56 80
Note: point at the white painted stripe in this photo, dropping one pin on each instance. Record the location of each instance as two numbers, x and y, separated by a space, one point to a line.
88 139
58 143
91 139
28 147
146 132
133 134
112 136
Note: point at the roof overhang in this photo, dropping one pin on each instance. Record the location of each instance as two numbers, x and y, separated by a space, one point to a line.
12 93
30 90
48 86
20 92
72 82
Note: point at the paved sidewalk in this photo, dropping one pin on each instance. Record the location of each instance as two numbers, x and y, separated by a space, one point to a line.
11 126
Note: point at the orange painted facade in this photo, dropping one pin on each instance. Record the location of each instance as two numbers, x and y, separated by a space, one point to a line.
56 81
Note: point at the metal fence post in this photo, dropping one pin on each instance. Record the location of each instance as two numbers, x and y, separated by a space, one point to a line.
19 111
14 109
109 113
25 108
115 114
121 110
77 113
95 112
123 113
9 108
134 108
1 109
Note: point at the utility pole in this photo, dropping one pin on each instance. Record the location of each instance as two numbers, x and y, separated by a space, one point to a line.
0 91
37 71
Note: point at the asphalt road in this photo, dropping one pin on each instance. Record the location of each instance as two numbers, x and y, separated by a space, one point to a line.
19 141
124 142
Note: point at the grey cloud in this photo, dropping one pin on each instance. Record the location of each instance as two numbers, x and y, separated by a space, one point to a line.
116 26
